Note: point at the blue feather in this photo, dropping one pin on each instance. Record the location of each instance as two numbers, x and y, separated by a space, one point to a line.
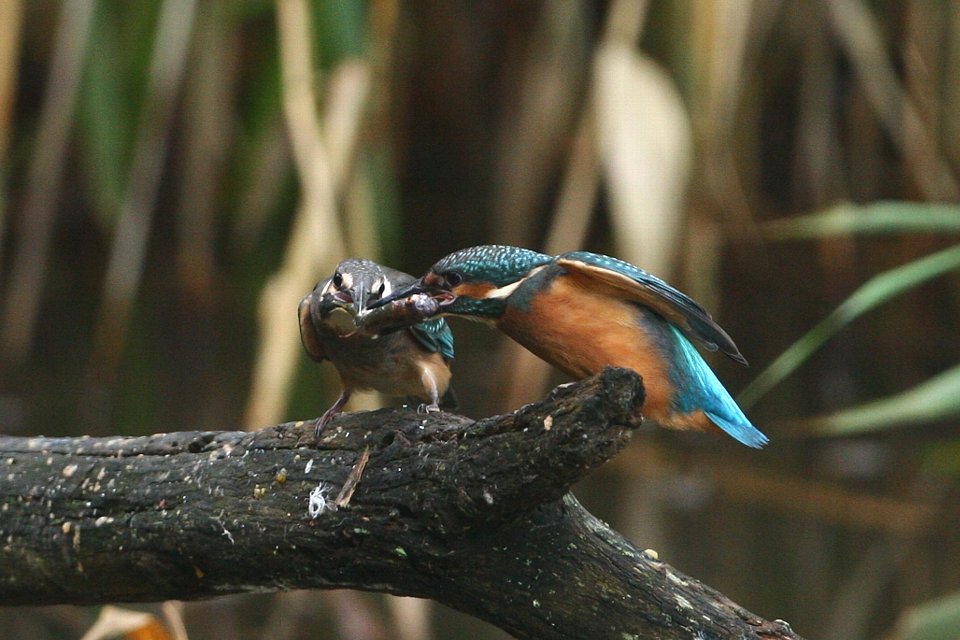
498 264
631 271
699 389
435 335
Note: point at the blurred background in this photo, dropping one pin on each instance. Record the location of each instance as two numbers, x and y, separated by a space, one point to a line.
175 175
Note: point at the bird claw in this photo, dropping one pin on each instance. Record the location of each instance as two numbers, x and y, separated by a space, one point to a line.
428 408
323 421
329 413
319 424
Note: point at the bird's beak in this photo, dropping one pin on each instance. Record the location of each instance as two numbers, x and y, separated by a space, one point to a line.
359 294
414 289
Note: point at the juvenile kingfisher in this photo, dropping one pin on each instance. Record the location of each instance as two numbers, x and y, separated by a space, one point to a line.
414 361
582 311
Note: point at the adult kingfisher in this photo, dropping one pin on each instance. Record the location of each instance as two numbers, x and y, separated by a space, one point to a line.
582 311
414 361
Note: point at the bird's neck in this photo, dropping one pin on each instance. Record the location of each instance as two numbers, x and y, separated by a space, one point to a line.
481 309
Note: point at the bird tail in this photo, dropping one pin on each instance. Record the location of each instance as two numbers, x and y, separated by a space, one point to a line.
705 392
742 431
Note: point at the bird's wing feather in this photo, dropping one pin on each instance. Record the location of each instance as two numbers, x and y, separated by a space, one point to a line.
308 335
633 283
435 335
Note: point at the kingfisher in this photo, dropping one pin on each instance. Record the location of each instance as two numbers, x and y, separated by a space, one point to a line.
413 361
583 311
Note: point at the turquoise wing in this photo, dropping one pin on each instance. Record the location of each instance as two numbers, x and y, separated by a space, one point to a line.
435 335
635 284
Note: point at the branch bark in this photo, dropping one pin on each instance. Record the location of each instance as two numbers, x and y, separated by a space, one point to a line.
475 515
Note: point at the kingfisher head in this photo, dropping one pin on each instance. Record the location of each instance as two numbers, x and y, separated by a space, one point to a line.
355 285
474 282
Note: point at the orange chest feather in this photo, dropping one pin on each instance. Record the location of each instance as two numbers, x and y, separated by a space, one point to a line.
580 332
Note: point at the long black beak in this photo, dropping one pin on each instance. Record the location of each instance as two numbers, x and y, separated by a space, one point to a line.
412 290
359 299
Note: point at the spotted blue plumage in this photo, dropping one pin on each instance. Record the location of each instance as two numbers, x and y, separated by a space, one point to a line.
435 335
497 264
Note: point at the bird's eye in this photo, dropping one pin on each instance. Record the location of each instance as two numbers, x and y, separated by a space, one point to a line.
337 280
381 289
454 278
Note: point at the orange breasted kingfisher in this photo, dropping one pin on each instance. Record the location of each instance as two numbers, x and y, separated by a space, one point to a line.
414 361
582 311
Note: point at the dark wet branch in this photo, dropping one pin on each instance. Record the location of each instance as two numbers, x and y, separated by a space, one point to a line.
475 515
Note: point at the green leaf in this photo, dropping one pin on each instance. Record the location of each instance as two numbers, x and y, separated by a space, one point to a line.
891 217
873 293
935 399
934 620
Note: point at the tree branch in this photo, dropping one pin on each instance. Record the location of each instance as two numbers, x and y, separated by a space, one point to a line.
475 515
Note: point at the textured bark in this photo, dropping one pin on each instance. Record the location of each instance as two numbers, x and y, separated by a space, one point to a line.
475 515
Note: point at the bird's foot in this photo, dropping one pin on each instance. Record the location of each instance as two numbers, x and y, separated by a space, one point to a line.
433 407
322 422
319 424
329 413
